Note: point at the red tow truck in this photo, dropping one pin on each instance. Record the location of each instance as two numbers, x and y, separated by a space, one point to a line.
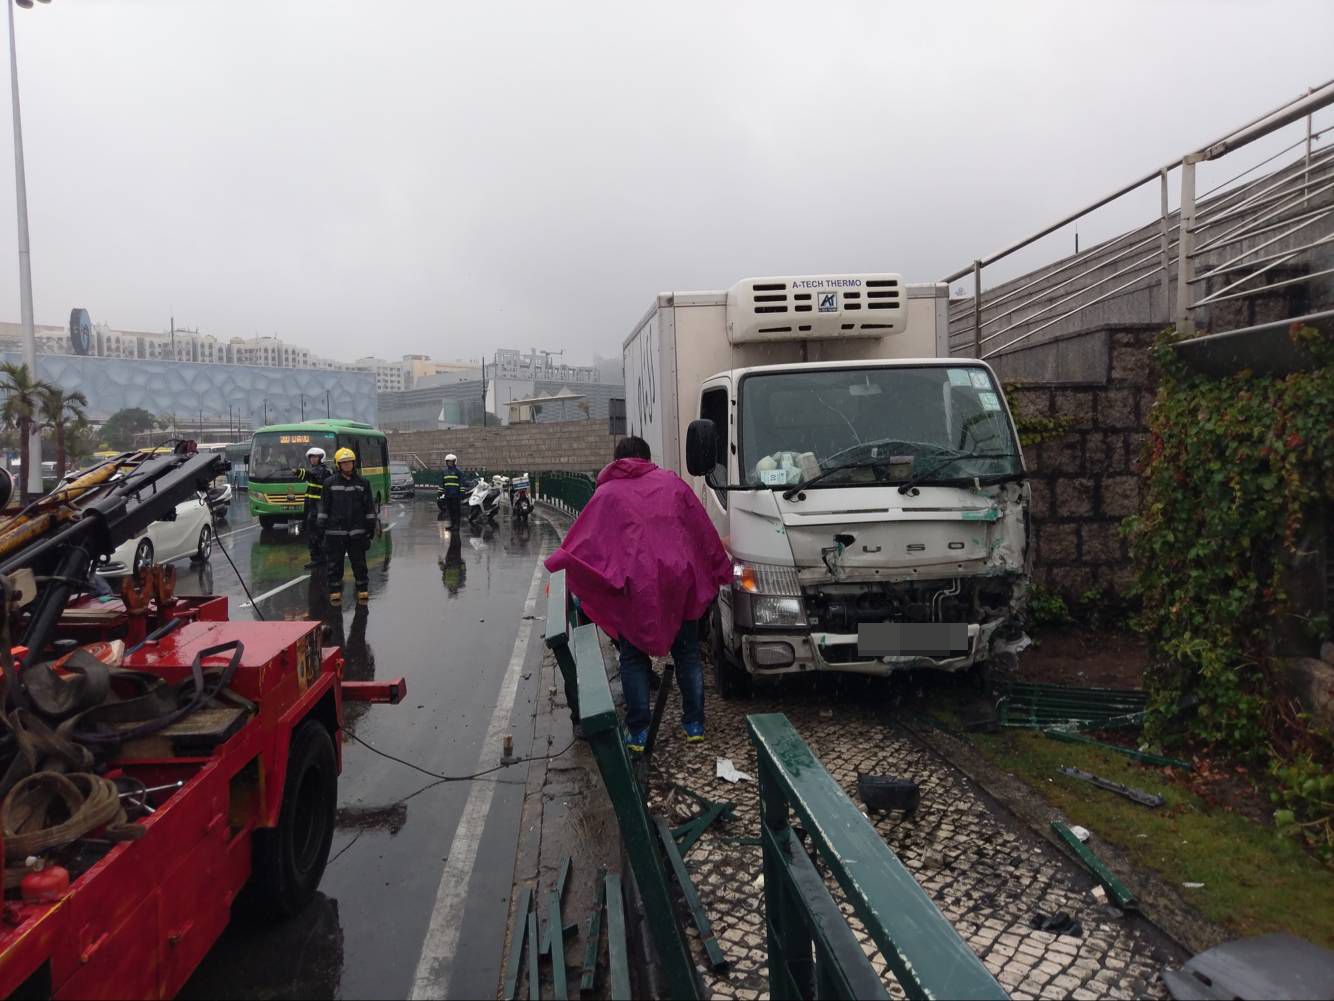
234 789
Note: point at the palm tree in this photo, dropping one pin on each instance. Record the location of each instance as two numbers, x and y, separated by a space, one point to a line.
23 400
60 410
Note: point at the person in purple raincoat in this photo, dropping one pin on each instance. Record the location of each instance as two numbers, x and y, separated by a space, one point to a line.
646 563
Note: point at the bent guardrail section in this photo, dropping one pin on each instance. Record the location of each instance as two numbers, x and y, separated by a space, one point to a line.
812 953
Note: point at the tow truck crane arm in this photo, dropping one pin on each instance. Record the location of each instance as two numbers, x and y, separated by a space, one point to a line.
60 536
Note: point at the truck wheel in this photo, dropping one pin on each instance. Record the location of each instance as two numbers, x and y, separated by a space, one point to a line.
730 677
266 522
290 858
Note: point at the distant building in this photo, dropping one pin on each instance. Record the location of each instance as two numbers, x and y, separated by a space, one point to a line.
537 366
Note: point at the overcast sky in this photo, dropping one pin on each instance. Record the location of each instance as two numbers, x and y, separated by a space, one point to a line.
390 176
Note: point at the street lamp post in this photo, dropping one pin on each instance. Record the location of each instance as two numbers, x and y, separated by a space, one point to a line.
25 262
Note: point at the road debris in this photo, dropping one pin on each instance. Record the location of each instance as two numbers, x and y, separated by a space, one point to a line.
1144 757
1121 896
728 772
1037 706
887 792
1059 923
1134 795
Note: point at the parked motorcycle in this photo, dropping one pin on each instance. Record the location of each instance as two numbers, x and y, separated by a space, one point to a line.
483 503
521 501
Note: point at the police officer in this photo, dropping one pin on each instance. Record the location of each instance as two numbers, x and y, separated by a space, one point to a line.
315 475
451 486
348 519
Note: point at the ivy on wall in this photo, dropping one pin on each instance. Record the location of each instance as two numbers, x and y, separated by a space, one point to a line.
1233 468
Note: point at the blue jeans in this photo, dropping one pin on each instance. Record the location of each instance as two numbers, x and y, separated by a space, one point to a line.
689 675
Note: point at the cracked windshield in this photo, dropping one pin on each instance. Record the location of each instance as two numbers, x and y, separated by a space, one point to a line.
874 425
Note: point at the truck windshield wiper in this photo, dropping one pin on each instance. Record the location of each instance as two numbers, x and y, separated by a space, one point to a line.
917 477
796 488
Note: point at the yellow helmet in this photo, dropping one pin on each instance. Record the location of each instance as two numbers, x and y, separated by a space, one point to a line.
345 455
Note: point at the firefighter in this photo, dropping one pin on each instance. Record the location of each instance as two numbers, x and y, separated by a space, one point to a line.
315 475
451 488
348 519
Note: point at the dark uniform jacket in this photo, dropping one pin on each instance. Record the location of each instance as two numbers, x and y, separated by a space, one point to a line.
347 507
451 483
314 478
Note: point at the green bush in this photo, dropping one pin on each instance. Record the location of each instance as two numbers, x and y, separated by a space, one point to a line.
1047 609
1233 467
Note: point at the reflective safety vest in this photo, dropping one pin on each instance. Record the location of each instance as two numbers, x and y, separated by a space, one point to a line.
314 478
449 483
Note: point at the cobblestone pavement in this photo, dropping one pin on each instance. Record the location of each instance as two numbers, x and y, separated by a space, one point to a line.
985 872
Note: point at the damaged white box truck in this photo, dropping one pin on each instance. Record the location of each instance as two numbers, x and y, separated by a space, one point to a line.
870 489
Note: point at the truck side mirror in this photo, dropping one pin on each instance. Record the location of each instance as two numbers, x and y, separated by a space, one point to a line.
701 447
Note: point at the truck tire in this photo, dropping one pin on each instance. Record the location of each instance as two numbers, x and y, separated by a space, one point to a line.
731 678
290 858
267 522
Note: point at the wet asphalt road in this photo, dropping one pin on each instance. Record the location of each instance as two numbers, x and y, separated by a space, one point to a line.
444 614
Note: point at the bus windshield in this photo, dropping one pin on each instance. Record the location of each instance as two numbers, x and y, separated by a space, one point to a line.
274 455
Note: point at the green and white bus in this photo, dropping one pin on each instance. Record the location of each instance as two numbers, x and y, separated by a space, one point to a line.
278 450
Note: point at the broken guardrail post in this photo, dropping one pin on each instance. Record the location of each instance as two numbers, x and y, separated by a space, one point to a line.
588 982
560 614
1116 890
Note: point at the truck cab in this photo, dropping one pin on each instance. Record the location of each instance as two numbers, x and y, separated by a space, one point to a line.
872 495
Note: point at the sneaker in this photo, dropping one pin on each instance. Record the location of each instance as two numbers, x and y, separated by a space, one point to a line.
694 732
635 741
336 598
363 597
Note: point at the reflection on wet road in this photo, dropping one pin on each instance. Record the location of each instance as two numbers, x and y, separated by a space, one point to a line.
444 612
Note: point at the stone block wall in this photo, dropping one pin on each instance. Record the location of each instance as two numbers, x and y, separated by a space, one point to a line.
1085 481
582 446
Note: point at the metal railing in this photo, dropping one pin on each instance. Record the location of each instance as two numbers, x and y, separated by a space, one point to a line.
568 491
579 656
1240 231
812 950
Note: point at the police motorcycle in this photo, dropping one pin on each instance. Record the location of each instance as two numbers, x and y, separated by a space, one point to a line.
521 501
483 503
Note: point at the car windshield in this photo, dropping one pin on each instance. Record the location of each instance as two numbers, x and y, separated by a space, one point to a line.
275 454
863 426
399 469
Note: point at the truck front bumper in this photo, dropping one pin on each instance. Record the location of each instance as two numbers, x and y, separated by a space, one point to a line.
773 654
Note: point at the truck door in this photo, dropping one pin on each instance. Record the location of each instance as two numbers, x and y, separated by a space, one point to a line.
715 404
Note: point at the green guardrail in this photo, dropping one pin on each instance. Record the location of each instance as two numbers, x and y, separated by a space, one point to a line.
812 950
568 490
572 490
579 657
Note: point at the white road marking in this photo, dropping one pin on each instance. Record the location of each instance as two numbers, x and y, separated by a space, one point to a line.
281 587
442 936
238 531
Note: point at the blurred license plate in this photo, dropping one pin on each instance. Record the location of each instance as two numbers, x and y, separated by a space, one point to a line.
912 639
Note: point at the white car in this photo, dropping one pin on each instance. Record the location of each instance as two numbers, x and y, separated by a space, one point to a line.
190 534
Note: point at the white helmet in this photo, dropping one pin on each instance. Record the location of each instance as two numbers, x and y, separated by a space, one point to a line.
315 450
451 457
